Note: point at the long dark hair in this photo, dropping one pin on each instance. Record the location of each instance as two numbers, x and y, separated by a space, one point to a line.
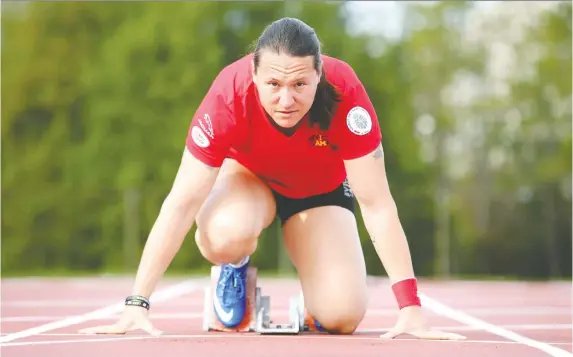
295 38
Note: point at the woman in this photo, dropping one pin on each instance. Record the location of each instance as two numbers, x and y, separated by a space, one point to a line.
284 131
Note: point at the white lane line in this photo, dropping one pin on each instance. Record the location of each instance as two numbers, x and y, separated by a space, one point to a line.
285 313
283 310
528 327
197 301
243 336
66 304
161 295
532 327
57 342
460 316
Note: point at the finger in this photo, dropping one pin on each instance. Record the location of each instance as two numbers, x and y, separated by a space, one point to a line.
391 334
438 335
148 327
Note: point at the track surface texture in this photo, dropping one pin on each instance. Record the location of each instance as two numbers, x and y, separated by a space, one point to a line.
42 316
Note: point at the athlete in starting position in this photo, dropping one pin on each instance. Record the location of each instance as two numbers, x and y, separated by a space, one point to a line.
291 132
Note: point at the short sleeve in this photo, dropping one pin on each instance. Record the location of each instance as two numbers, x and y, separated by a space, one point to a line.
356 127
208 138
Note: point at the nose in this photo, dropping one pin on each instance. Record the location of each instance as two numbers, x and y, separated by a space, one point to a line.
286 99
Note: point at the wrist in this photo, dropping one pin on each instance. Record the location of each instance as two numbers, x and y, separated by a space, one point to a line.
138 300
406 293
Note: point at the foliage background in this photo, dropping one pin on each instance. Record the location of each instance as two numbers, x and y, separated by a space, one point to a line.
475 108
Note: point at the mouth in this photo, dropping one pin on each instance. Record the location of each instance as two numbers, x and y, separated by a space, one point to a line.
286 112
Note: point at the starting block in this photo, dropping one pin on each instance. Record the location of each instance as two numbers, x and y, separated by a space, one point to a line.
257 317
264 325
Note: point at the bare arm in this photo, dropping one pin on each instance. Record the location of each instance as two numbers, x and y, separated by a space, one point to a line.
190 189
367 178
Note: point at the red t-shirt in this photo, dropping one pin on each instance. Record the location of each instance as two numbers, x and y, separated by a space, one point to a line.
230 122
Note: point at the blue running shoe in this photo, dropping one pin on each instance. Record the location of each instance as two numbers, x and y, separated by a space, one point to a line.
230 295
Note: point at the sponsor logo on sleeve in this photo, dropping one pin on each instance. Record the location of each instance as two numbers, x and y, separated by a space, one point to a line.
199 137
359 121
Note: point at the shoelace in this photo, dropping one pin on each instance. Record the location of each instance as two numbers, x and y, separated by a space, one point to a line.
233 286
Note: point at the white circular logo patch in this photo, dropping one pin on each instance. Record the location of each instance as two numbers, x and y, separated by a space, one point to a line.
358 121
199 137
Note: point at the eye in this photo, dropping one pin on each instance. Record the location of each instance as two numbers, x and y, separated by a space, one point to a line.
300 84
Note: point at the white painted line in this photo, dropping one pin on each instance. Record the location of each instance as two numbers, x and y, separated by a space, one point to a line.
156 316
283 311
161 295
463 317
243 336
197 301
66 304
541 327
533 327
56 342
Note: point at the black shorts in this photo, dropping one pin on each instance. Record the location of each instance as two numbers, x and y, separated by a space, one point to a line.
287 207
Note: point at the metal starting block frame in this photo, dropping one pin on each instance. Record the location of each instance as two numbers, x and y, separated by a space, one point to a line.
264 326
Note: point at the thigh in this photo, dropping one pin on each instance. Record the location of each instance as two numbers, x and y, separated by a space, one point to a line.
324 246
239 202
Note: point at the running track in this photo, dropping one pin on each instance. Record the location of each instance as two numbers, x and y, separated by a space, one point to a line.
41 317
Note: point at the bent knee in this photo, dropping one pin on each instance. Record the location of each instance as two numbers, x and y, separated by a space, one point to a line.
225 239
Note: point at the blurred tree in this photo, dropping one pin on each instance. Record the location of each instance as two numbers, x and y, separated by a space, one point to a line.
532 208
100 99
434 56
97 99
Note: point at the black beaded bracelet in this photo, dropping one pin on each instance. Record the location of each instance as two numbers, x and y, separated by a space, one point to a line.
137 300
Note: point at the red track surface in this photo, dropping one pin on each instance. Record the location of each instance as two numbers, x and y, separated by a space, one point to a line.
540 313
